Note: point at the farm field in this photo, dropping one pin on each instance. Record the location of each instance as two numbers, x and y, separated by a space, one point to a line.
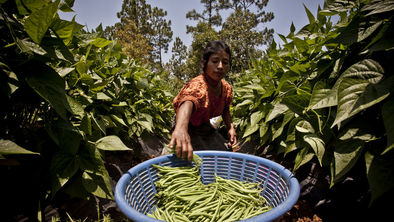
81 107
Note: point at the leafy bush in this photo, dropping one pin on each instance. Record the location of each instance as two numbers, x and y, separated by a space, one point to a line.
326 94
68 96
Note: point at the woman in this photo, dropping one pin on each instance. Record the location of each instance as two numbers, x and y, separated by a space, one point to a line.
204 97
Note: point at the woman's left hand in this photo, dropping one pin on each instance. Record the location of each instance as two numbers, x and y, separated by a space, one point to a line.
232 139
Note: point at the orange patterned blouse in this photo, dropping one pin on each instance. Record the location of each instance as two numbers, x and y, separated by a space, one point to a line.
206 104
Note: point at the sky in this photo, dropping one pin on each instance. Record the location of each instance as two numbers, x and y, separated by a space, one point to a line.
93 12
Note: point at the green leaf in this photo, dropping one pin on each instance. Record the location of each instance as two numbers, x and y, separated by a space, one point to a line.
311 18
28 6
287 77
75 188
90 158
380 173
255 86
304 126
99 28
64 71
75 107
83 67
146 125
10 82
317 145
366 32
263 129
335 7
146 121
356 133
303 157
87 79
276 111
353 95
63 167
256 117
378 7
121 104
66 29
86 124
7 147
99 85
119 119
66 5
320 18
297 103
111 143
97 184
65 135
108 122
49 85
250 129
388 119
300 68
292 28
322 97
357 31
103 96
98 124
244 102
100 42
291 144
288 116
283 38
37 24
95 178
346 154
382 41
291 140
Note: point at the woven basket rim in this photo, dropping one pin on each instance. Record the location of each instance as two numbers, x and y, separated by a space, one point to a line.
276 212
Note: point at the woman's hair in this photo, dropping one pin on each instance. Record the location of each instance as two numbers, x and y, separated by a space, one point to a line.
212 48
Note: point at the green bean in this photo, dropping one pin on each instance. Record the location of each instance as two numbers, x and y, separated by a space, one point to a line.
217 209
180 217
228 211
183 197
201 210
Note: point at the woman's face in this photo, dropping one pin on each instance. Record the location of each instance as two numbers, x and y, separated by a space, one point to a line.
218 65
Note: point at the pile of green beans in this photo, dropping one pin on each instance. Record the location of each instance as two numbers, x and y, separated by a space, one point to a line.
183 197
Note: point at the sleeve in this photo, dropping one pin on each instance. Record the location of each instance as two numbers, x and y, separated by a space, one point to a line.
191 91
229 96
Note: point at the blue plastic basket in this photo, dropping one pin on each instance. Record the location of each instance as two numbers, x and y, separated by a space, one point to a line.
135 190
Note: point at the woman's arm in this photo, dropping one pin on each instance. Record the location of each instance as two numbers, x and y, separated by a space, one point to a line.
230 126
180 137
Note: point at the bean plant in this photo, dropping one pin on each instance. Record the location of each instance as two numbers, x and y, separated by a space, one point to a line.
68 96
326 94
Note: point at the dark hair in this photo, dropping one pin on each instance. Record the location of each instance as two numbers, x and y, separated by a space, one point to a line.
212 48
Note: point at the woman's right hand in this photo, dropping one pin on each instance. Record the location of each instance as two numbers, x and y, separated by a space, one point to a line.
183 147
180 137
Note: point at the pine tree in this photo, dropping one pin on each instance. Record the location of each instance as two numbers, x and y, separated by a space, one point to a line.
161 36
176 65
210 15
133 42
202 33
243 30
150 27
